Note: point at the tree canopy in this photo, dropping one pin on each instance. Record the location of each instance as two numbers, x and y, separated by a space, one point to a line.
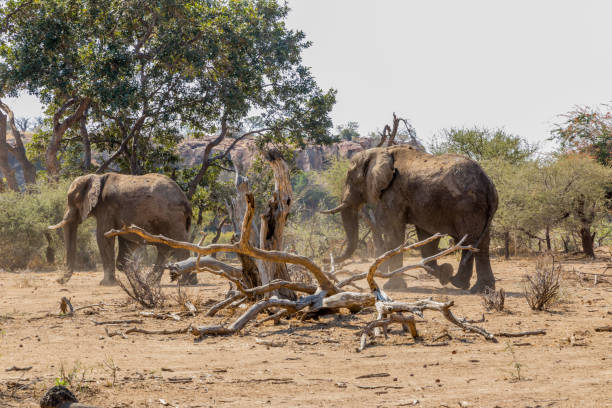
146 74
483 144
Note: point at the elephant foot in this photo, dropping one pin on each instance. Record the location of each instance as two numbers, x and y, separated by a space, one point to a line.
109 282
459 282
482 286
395 283
445 273
188 279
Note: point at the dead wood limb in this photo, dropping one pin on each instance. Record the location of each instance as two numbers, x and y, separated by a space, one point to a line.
444 308
271 343
521 334
290 305
76 309
114 333
164 332
276 317
604 329
15 368
243 247
116 322
423 264
161 316
190 265
384 323
65 306
224 303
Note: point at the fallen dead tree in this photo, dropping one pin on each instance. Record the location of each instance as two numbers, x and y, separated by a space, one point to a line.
323 298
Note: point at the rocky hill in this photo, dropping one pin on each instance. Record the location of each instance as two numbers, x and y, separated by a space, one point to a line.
243 154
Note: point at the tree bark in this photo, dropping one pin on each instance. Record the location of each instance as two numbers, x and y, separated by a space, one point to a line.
59 129
86 142
29 171
5 167
586 214
507 245
548 245
250 267
273 222
587 241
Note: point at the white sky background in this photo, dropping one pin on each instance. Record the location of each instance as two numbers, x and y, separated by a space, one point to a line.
510 64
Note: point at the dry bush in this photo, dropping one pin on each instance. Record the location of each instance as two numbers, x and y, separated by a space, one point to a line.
147 294
184 295
542 288
494 300
297 273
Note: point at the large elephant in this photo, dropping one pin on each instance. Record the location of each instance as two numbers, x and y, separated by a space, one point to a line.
448 194
153 202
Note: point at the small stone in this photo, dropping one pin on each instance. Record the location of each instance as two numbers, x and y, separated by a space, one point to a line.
464 404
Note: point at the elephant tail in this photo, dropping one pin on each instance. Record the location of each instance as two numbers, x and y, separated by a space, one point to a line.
492 201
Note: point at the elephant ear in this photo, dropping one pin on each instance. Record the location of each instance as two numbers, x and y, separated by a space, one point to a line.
91 195
379 176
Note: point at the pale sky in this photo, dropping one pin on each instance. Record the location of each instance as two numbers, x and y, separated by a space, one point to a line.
511 64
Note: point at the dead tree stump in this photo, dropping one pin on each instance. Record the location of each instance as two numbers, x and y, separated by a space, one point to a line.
273 222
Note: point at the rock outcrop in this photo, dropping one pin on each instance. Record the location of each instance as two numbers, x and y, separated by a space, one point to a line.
243 154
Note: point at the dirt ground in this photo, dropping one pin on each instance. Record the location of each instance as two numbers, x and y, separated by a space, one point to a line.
310 363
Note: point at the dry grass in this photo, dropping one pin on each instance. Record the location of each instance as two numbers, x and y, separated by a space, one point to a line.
541 289
494 300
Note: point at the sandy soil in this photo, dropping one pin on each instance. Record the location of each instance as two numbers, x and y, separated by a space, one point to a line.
571 366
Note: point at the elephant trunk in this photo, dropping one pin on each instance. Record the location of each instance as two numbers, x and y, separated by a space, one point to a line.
350 220
70 240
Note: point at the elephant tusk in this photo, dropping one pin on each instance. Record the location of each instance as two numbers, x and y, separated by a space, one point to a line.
335 210
59 225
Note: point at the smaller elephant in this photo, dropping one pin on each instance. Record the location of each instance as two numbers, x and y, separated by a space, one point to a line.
153 202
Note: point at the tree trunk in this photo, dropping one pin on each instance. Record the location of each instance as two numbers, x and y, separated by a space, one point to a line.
548 245
237 210
29 171
59 129
586 214
587 241
273 222
7 171
86 142
507 245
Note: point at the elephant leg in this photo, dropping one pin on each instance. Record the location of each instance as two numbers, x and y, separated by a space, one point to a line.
126 253
107 253
484 273
158 269
442 272
462 279
394 238
186 278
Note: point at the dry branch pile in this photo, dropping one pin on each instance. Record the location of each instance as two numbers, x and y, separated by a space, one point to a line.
323 298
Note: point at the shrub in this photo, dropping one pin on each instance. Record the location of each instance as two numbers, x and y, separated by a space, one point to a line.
494 300
24 237
542 288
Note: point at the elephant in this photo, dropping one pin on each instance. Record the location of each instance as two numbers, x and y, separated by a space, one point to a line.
448 193
153 202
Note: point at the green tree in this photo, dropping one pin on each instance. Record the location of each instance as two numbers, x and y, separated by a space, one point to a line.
575 188
587 130
483 144
145 72
349 131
